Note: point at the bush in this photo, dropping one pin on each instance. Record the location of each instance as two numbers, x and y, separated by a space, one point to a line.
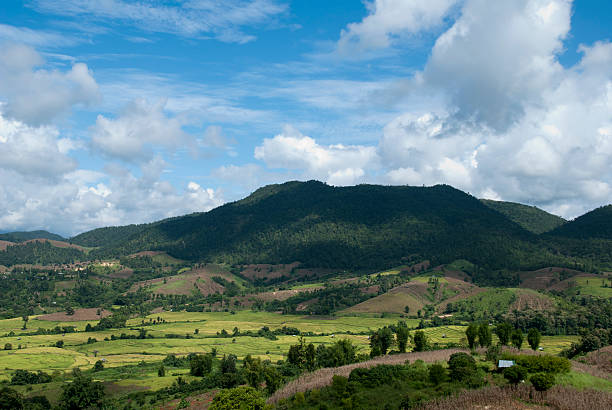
515 374
10 399
98 366
82 393
200 365
542 364
437 374
542 381
461 366
23 377
238 398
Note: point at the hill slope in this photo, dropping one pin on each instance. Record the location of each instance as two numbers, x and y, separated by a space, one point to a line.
529 217
596 224
107 236
26 236
342 227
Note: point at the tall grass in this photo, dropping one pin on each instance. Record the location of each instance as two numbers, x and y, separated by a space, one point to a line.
323 377
559 397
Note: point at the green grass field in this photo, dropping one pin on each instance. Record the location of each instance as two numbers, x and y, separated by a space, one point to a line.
594 286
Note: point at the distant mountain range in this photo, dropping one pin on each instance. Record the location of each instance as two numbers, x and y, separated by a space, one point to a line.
367 226
26 236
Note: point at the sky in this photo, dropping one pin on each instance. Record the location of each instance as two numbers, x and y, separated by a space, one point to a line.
115 112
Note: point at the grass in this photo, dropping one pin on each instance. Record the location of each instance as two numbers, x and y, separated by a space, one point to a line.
583 381
594 286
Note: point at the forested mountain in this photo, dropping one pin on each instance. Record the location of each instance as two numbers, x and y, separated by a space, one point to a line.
107 236
26 236
596 224
529 217
362 226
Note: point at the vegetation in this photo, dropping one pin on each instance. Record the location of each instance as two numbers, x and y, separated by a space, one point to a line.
529 217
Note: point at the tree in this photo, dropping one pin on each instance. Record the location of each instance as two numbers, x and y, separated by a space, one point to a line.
228 364
461 366
82 393
98 366
437 374
471 333
59 344
69 310
504 332
515 374
8 346
273 379
542 381
517 339
200 364
238 398
420 341
383 339
161 371
254 371
484 335
10 399
533 338
25 319
401 334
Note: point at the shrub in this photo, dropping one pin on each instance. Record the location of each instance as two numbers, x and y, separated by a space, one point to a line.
200 365
542 381
10 399
238 398
98 366
461 366
437 374
515 374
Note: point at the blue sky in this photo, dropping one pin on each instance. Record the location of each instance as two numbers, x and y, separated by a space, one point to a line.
118 111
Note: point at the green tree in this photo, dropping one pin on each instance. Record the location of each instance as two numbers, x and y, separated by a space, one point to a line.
254 371
472 333
273 379
420 341
402 334
533 338
383 339
82 393
437 374
515 374
517 338
461 366
25 319
8 346
542 381
504 332
238 398
161 371
98 366
200 365
484 335
69 310
10 399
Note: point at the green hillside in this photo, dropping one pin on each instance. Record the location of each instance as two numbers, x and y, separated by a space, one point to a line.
529 217
596 224
26 236
365 226
106 236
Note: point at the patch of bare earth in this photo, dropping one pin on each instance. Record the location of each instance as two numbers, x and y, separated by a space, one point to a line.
523 397
529 301
79 314
323 377
394 301
290 271
57 244
599 362
283 294
200 279
197 402
5 244
544 278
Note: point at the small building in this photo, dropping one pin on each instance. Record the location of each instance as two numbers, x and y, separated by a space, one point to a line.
502 364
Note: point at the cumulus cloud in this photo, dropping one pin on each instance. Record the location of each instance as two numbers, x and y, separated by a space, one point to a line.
520 127
190 18
35 95
390 20
337 164
140 127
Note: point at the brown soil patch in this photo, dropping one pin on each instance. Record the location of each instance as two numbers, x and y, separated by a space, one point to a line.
601 359
197 402
544 278
528 301
122 274
394 301
57 244
5 244
282 294
186 283
79 314
145 253
290 271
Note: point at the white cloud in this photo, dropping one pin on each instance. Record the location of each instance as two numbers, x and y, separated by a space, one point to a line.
390 20
35 95
36 38
337 164
189 18
138 129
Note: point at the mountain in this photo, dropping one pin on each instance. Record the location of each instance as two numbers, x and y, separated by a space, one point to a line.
596 224
26 236
364 226
529 217
107 236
